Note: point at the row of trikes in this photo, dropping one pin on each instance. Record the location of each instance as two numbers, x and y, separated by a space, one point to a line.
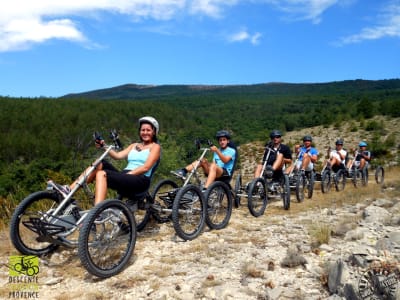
105 234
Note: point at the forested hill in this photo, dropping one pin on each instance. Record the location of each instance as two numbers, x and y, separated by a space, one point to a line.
133 91
53 137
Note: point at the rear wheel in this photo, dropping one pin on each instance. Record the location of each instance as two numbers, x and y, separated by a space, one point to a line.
285 194
219 205
238 190
300 186
142 214
163 197
107 239
326 181
379 175
340 180
257 197
188 212
25 238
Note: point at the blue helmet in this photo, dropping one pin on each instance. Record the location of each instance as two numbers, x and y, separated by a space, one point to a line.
362 144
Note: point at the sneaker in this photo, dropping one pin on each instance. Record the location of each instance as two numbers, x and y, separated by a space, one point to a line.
180 173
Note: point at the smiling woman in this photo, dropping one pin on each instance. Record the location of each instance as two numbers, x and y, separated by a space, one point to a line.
135 177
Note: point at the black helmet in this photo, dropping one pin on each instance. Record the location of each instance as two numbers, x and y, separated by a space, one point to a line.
275 133
339 142
223 133
307 138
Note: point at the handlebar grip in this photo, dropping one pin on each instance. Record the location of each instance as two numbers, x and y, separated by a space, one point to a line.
118 143
98 139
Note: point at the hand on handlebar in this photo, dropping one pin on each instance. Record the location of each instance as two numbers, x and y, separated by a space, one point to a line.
99 143
98 140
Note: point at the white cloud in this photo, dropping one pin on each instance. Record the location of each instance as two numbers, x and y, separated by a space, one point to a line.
26 22
20 34
243 35
212 8
389 27
306 9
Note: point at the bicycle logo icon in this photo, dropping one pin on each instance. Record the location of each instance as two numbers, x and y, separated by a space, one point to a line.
24 265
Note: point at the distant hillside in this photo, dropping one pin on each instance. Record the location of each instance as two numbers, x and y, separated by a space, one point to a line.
133 91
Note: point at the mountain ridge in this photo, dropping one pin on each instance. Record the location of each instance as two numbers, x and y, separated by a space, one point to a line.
140 91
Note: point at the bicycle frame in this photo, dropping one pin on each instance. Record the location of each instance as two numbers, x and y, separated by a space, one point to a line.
266 161
193 173
65 218
352 162
80 181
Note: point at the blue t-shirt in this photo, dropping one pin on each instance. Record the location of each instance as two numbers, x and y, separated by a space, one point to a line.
312 151
228 151
137 159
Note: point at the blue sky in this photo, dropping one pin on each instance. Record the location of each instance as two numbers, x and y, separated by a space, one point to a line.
52 48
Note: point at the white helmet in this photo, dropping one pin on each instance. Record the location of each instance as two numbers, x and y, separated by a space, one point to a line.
150 120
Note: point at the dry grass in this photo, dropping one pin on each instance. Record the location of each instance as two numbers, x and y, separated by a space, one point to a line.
250 269
320 233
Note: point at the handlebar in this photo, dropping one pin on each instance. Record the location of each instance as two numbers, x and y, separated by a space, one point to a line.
113 135
198 143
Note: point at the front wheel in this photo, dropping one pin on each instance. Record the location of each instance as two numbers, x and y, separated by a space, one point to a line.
364 178
357 177
219 205
340 180
25 238
188 212
285 193
257 197
379 175
310 181
163 197
326 181
107 239
300 186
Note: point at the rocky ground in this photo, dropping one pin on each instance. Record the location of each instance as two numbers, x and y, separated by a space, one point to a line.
340 245
322 248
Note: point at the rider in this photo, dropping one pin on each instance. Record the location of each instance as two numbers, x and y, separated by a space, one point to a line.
222 164
337 157
363 156
279 155
142 158
307 156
